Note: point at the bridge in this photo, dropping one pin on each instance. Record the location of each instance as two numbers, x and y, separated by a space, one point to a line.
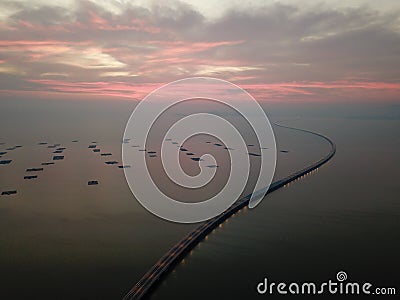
166 263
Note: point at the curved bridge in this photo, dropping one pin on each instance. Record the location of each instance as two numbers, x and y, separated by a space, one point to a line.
154 276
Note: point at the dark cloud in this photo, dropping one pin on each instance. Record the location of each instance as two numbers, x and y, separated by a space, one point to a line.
317 45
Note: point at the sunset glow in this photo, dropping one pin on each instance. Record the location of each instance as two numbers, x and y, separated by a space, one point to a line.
280 51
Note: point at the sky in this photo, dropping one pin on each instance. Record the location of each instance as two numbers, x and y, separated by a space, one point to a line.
276 50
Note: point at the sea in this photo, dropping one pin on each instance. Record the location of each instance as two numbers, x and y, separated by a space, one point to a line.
61 238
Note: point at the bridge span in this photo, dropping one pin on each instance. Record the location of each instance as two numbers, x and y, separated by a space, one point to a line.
166 263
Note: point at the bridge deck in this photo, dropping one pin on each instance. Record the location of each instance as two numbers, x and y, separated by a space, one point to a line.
148 282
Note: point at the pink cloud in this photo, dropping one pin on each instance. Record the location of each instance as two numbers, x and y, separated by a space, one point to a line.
98 22
26 43
306 90
95 19
325 85
102 88
340 89
174 49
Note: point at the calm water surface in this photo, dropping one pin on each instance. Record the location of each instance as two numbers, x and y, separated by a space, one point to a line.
63 239
344 218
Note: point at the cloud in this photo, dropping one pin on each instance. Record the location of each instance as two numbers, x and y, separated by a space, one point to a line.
276 50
